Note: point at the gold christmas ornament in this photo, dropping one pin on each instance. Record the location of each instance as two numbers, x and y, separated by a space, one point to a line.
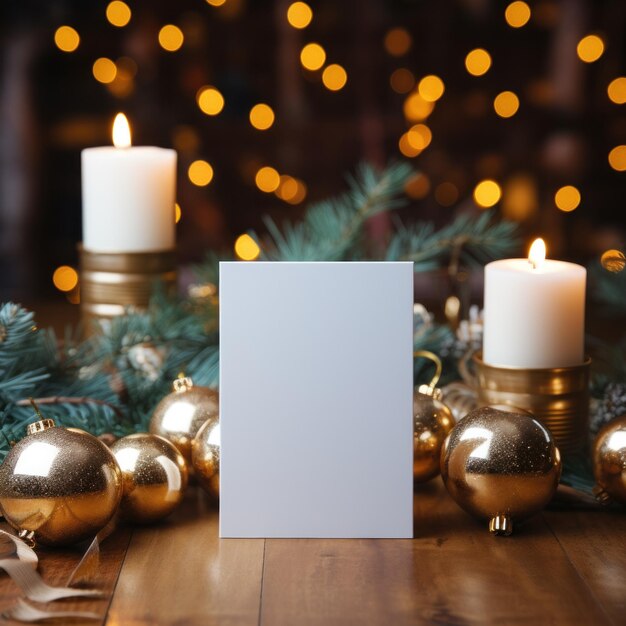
501 466
432 421
609 462
179 416
62 485
205 457
154 477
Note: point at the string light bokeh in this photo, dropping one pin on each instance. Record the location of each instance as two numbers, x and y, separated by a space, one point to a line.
513 106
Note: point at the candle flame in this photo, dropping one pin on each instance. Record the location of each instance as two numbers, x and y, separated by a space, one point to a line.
537 253
121 132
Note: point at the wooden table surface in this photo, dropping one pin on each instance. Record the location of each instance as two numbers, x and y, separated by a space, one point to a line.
561 567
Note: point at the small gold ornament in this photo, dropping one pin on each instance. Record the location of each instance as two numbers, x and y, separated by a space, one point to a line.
154 477
609 461
205 456
501 466
62 484
179 416
432 421
613 261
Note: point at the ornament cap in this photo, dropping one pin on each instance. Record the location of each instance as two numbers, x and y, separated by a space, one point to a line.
182 383
430 389
427 390
40 426
501 525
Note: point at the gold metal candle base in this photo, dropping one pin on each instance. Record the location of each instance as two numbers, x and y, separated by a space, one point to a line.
558 397
112 282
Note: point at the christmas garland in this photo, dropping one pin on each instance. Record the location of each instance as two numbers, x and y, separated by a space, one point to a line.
111 382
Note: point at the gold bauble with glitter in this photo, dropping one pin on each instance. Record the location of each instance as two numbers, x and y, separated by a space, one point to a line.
154 475
501 466
432 422
64 485
205 457
179 416
609 462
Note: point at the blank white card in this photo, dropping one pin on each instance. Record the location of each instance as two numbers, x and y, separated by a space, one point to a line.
316 385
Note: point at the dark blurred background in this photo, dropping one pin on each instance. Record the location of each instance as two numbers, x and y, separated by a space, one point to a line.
539 110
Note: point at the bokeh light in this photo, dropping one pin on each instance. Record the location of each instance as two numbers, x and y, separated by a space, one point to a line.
65 278
487 193
171 38
406 148
519 198
246 248
613 260
402 80
66 38
104 70
617 158
288 188
506 104
334 77
291 190
200 173
262 116
416 108
299 14
178 213
567 198
185 139
478 62
431 88
590 48
617 90
267 179
417 187
446 194
124 83
398 42
312 56
517 14
419 136
118 13
210 100
216 3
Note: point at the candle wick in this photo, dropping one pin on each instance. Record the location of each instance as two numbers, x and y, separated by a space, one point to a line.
533 264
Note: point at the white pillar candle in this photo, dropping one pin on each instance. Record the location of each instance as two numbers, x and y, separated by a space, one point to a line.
534 312
129 195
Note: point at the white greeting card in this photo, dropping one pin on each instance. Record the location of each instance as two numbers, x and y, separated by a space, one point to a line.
316 386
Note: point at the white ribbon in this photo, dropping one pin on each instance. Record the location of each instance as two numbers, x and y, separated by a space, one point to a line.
20 562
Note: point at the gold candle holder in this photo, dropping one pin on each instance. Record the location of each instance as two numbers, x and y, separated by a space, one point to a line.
110 282
557 396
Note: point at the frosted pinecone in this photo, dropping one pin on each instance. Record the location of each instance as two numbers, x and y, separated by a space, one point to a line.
612 405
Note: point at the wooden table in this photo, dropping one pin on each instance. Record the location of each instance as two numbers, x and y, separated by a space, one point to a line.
561 567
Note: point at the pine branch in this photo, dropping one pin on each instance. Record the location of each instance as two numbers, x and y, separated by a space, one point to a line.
208 271
608 289
69 400
468 240
331 229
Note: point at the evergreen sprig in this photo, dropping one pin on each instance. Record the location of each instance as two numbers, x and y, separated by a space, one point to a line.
332 230
608 289
467 240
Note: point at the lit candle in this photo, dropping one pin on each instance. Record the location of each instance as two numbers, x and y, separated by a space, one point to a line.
534 312
128 195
